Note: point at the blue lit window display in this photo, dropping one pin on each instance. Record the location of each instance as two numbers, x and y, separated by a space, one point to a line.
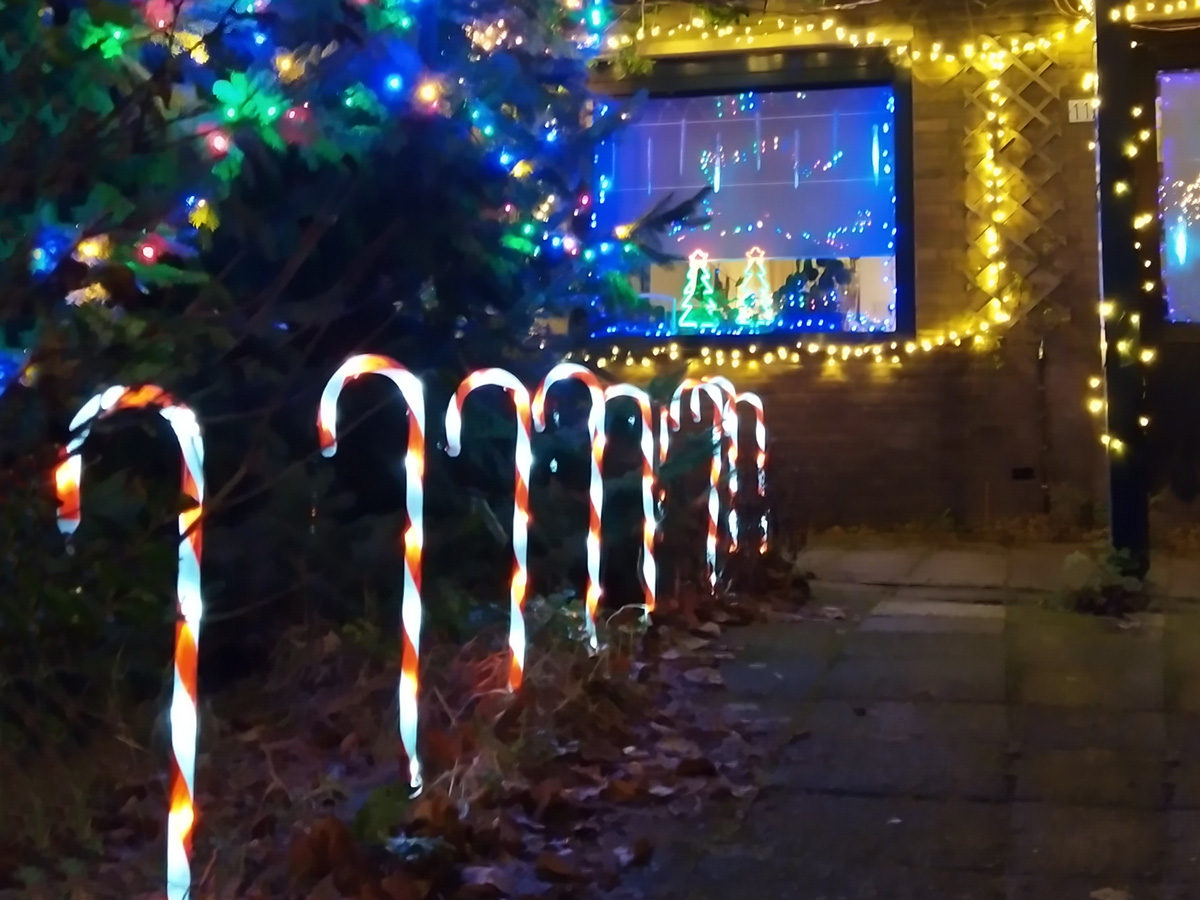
1179 192
802 207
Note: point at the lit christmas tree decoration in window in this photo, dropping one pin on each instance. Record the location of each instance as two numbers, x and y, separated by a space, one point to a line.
801 207
1179 193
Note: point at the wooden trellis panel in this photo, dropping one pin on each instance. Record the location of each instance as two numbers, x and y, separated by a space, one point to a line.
1023 205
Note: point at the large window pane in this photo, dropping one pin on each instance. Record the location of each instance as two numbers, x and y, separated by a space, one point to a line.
802 205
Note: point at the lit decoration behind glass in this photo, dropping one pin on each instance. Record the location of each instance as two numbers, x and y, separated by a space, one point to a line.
649 570
183 719
802 202
414 534
522 462
561 372
1179 192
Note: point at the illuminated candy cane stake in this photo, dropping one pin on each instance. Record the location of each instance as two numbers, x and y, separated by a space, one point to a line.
714 473
414 534
729 425
649 571
559 373
760 439
183 717
523 460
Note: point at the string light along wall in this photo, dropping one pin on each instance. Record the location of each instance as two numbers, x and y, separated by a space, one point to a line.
1145 55
1004 189
649 520
183 718
522 463
413 392
562 372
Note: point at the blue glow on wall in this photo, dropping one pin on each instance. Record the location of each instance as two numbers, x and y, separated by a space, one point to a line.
802 212
1179 191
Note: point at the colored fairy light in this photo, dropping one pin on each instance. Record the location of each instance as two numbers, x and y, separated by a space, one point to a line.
218 142
649 571
394 82
183 710
559 373
714 475
522 462
760 460
413 392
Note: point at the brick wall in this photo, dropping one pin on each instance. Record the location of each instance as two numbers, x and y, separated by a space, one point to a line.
939 437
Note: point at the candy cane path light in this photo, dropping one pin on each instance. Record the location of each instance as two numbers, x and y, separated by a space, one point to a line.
760 440
414 534
649 571
559 373
714 394
183 717
523 461
729 425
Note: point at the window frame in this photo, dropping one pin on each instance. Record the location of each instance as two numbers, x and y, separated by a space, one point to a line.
800 68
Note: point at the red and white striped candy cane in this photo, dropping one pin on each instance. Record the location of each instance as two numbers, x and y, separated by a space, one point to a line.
413 392
559 373
714 473
760 439
649 571
523 461
729 425
183 713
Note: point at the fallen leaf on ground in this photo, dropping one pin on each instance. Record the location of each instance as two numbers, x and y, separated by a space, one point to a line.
558 867
710 677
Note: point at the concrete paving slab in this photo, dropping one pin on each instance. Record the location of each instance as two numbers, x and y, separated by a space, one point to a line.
1096 688
974 678
1037 567
905 606
1036 728
1091 776
900 720
1086 841
934 624
962 568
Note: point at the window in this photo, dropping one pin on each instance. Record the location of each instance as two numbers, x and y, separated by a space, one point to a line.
802 231
1179 192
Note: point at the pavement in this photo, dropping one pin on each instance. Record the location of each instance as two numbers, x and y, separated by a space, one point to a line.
979 567
934 748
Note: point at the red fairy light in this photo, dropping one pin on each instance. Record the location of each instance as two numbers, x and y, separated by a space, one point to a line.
218 142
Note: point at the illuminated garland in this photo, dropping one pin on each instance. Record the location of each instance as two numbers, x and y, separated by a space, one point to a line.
559 373
649 571
413 393
184 724
986 54
522 462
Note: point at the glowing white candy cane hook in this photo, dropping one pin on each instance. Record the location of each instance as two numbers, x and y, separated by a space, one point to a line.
760 440
183 716
413 393
649 571
523 460
559 373
729 425
714 473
